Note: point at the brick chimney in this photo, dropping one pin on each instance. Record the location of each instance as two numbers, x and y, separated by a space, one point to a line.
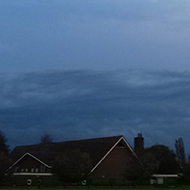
139 144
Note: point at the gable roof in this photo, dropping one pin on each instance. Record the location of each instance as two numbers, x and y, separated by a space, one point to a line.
97 148
28 154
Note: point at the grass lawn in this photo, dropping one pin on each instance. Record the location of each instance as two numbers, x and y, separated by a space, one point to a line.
105 188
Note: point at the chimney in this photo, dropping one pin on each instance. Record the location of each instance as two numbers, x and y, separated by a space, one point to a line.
139 144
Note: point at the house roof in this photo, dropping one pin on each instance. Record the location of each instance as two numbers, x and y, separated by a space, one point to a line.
97 148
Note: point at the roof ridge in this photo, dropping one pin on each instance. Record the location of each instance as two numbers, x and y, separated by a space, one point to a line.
79 140
118 136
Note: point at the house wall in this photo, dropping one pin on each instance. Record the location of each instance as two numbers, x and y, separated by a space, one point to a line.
22 180
29 168
112 168
34 166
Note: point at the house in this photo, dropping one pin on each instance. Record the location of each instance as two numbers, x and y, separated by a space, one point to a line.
109 156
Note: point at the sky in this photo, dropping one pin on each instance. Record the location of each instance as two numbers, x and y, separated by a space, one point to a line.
87 69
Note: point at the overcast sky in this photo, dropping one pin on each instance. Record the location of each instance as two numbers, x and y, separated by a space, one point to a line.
85 69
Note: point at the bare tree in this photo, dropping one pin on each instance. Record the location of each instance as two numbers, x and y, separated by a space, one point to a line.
46 138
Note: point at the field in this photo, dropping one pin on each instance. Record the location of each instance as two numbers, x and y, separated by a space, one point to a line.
105 188
168 188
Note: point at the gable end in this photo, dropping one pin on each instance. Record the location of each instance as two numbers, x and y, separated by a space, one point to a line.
122 139
28 154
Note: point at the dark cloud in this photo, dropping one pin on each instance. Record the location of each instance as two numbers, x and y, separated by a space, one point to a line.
84 104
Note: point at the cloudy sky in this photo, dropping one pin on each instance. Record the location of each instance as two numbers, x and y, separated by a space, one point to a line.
85 69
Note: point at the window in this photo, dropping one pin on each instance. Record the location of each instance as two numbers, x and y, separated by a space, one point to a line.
26 170
43 169
32 170
36 170
16 169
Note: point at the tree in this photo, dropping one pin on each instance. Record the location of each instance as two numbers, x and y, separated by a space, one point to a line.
134 171
3 144
72 166
180 151
139 170
166 158
156 159
4 157
46 138
5 162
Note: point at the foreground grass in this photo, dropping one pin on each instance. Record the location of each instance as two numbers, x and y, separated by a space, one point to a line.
103 188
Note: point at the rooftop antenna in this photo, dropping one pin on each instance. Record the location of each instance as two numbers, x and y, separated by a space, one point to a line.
140 134
141 131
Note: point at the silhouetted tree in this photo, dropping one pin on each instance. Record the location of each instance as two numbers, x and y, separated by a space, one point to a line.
185 172
166 158
46 138
4 157
72 166
140 169
156 159
3 144
134 171
185 179
180 151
